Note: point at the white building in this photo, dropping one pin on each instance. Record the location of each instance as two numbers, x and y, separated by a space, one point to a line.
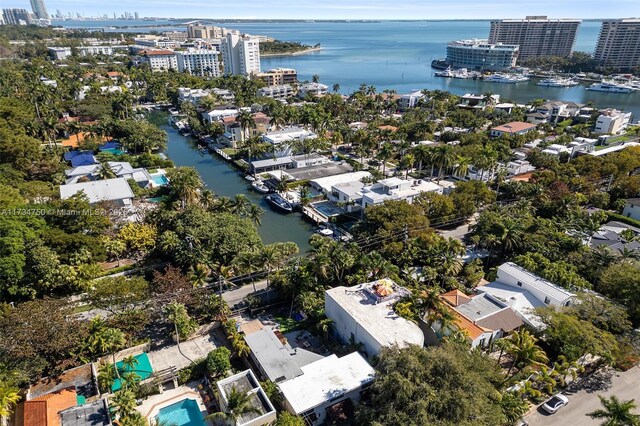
362 314
612 121
59 53
396 189
410 100
315 89
247 383
241 55
524 291
279 92
326 383
117 190
632 208
200 62
160 60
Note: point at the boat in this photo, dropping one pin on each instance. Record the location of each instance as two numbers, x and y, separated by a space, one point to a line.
259 186
278 203
445 73
504 78
557 82
610 87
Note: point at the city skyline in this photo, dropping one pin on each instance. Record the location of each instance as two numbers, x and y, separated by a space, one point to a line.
352 9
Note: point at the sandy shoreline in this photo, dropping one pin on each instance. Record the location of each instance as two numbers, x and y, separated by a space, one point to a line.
300 52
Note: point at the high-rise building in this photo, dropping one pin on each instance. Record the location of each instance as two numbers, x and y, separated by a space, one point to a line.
241 55
619 44
16 16
201 62
481 55
39 9
536 35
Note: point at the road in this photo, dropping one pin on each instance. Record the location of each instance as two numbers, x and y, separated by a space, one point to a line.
625 386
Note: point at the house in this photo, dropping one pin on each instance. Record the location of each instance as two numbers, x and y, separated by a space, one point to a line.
273 356
482 318
612 122
632 208
524 291
363 314
396 189
94 413
80 158
117 190
247 383
325 384
512 128
474 101
410 100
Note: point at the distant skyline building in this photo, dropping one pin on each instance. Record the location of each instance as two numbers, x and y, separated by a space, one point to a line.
241 55
39 9
619 44
16 16
481 55
536 35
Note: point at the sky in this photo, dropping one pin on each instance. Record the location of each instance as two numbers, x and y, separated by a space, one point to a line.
346 9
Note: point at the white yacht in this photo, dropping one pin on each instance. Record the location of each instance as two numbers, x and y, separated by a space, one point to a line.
610 87
557 82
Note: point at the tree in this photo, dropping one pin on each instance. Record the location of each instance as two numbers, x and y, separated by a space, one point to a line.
218 361
616 412
238 403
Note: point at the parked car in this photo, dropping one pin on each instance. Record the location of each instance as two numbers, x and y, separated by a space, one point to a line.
555 403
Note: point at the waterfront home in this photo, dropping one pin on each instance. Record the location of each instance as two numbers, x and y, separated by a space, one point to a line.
524 291
396 189
410 100
474 101
281 140
632 208
612 122
246 383
314 89
363 314
482 318
116 190
512 128
327 387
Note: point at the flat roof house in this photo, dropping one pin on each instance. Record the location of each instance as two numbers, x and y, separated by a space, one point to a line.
325 384
524 291
246 383
364 313
512 128
117 190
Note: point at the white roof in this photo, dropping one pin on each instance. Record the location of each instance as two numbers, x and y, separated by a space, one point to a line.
325 183
378 319
326 379
99 190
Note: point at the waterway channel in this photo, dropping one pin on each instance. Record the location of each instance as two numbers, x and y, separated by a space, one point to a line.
224 180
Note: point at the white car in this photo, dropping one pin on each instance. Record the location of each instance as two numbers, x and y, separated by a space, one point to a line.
555 403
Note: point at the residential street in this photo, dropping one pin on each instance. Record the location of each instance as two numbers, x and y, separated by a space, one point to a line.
624 385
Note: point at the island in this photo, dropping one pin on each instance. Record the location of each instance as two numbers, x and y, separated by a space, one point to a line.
286 48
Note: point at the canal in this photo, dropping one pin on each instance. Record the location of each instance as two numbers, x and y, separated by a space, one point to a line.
224 180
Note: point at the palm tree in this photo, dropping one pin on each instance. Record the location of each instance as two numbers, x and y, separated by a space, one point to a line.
523 348
616 412
238 403
9 397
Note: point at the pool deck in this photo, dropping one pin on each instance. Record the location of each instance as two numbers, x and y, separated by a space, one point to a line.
152 406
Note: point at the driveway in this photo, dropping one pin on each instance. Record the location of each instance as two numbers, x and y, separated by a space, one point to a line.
583 398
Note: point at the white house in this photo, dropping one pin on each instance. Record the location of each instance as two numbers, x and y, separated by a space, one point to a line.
324 384
396 189
524 291
612 121
117 190
632 208
362 313
247 383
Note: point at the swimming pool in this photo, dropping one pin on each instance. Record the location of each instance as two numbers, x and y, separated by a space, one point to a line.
160 180
182 413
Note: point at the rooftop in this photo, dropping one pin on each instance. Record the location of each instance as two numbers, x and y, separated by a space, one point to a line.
325 380
375 313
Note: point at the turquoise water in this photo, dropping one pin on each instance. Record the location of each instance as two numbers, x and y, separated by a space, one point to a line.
183 413
142 369
160 180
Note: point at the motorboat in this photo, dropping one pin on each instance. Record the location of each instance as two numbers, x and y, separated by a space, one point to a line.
557 82
278 203
610 87
260 186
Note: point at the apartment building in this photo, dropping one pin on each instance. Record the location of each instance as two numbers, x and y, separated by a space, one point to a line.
241 55
619 43
279 76
481 55
200 62
536 35
160 60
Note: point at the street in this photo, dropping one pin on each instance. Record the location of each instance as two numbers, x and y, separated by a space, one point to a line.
624 385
